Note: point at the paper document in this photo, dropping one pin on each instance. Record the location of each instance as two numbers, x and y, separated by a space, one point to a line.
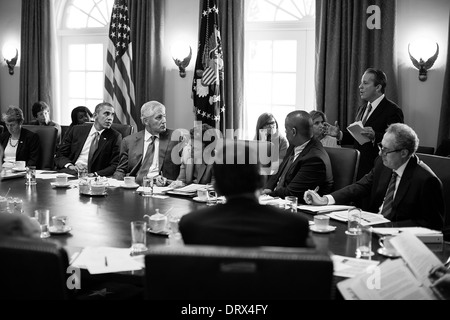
349 267
355 130
367 218
193 188
99 260
49 175
323 209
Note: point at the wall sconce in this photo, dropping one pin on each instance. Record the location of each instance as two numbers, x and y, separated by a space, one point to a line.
181 57
423 49
10 55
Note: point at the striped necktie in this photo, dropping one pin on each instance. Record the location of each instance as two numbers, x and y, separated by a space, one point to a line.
389 199
366 113
92 149
147 161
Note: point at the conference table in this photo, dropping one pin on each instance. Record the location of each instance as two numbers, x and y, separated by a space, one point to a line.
104 221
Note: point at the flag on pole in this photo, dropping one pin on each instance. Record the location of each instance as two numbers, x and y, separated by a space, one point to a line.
208 83
119 87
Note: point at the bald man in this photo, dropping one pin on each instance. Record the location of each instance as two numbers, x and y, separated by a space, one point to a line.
306 164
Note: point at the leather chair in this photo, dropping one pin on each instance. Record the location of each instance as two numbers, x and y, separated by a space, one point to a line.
47 137
441 167
2 128
32 269
425 150
344 164
212 272
124 129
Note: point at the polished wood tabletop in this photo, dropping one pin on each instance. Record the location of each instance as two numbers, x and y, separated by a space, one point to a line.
105 220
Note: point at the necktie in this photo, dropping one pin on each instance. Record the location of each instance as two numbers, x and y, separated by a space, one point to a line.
282 179
366 113
92 149
147 161
389 199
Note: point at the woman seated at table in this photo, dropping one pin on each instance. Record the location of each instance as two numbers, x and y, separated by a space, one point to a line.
323 131
267 130
19 144
193 167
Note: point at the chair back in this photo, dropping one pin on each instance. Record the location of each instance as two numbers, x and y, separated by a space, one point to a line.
32 269
425 150
344 164
213 272
47 137
64 130
124 129
441 167
2 128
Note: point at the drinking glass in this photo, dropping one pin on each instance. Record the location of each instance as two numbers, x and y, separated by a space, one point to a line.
291 203
147 187
31 176
354 221
212 198
364 243
43 218
138 236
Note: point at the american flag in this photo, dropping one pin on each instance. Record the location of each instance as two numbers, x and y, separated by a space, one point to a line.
208 84
119 87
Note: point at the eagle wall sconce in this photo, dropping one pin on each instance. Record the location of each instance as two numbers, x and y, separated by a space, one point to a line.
10 55
418 53
181 55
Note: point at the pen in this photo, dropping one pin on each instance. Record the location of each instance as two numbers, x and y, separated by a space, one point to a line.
316 189
106 262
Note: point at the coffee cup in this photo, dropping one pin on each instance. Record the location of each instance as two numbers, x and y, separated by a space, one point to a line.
59 223
129 181
157 222
385 243
321 222
202 194
20 165
61 179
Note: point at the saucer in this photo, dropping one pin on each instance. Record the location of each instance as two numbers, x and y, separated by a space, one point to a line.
19 169
327 230
53 230
59 185
94 194
133 186
164 232
389 254
197 199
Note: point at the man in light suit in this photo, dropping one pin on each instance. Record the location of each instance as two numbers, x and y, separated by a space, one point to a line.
306 164
376 115
242 221
156 136
401 187
94 148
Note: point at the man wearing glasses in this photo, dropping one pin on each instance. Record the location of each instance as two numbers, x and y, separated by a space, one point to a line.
400 186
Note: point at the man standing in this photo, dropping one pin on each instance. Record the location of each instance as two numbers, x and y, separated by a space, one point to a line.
376 115
148 152
401 187
93 148
306 164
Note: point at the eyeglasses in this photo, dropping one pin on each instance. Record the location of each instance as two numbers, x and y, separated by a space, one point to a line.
385 151
269 125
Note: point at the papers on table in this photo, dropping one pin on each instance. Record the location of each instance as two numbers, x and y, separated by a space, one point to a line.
49 175
106 260
367 218
190 190
350 267
323 209
355 130
273 201
424 234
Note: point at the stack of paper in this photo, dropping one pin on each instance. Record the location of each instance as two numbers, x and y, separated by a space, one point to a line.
323 209
367 218
355 130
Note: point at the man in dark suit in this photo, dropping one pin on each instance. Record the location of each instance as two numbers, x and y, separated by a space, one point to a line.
155 142
401 187
94 148
376 115
306 164
242 221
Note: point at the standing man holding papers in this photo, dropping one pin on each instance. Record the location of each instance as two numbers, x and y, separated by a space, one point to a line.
401 187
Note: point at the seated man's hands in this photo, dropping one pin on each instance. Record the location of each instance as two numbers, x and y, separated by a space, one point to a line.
311 197
160 181
369 133
177 184
266 191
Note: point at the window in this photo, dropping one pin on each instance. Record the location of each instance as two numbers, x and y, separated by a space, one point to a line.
83 37
279 59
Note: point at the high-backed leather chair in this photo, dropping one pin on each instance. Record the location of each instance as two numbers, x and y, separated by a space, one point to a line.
32 269
213 272
124 129
425 150
441 167
344 164
47 136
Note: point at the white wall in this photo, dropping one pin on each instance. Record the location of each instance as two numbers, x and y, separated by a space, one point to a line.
10 33
421 101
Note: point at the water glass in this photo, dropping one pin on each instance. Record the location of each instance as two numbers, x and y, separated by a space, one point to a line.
138 236
31 176
291 203
82 174
43 218
354 221
212 198
147 187
364 243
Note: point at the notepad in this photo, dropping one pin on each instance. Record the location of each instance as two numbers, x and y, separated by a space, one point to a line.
355 130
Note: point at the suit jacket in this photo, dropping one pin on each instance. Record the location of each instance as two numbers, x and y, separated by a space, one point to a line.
132 150
311 169
205 172
386 113
244 222
419 199
29 148
105 158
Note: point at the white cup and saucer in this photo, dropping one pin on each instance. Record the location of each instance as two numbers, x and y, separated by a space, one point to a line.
62 181
321 224
129 183
386 248
59 225
202 195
